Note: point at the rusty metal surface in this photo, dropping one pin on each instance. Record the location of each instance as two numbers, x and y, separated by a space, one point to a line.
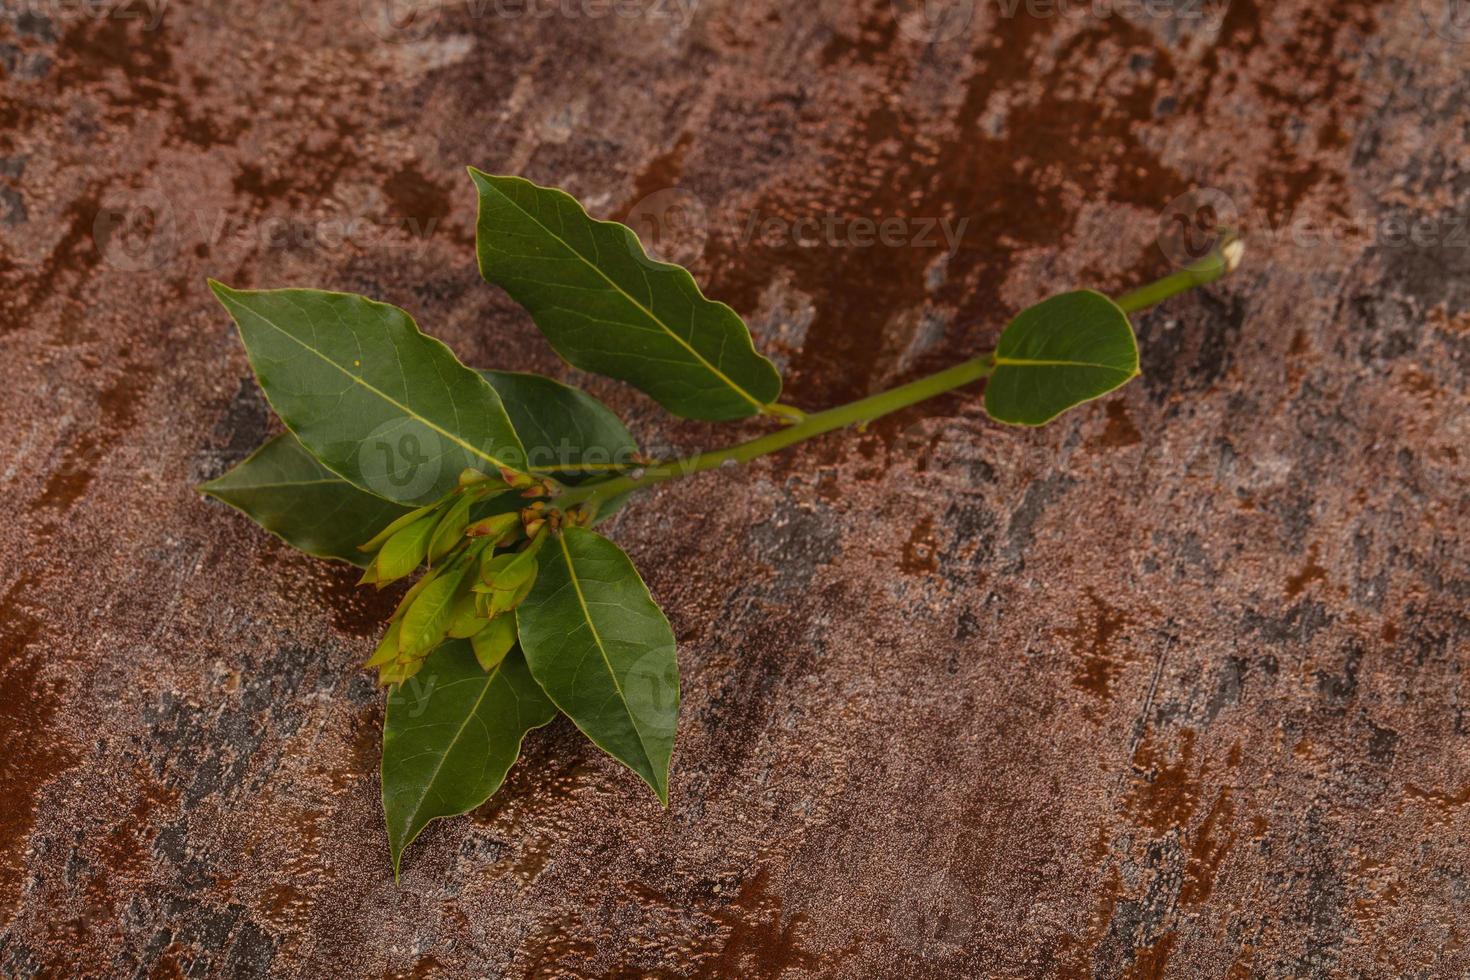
1172 688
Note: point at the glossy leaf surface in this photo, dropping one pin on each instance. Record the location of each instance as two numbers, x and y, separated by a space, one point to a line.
603 651
285 490
375 400
1058 354
566 432
606 306
450 735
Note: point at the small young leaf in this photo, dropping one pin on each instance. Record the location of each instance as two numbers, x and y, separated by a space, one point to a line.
402 552
604 652
378 540
450 528
285 490
1058 354
492 643
450 736
507 596
413 593
607 307
387 649
427 620
464 618
496 527
374 399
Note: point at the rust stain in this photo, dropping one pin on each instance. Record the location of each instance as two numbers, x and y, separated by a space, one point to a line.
1210 844
1060 140
1152 961
1164 793
1445 805
34 755
117 408
920 551
1311 572
1097 663
760 939
1120 431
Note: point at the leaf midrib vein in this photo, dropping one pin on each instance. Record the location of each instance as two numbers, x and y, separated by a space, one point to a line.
473 713
631 299
1029 362
279 485
410 413
597 638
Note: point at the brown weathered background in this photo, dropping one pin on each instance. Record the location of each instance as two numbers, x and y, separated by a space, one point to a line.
1171 688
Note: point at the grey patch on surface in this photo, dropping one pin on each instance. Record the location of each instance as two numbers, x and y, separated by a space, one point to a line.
1021 531
12 208
1433 268
241 429
796 541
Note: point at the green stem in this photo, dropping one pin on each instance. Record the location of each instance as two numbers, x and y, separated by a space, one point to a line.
1222 259
1225 258
861 411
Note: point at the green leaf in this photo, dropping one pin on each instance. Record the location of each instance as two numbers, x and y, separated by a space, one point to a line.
375 400
377 541
464 618
285 490
1058 354
603 651
566 432
404 550
607 307
451 527
427 619
450 735
492 643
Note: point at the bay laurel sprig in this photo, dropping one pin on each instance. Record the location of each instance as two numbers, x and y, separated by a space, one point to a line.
489 486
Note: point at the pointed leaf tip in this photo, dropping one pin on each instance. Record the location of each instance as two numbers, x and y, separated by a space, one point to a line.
607 306
287 491
450 736
337 367
603 652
